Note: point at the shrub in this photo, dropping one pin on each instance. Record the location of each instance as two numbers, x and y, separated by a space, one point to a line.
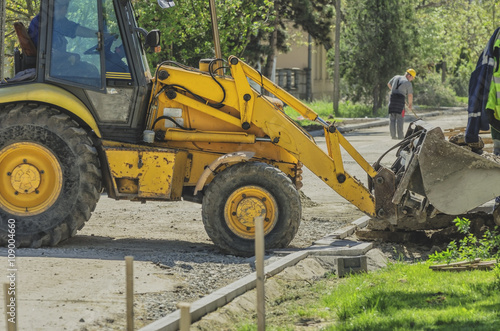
460 80
470 247
431 92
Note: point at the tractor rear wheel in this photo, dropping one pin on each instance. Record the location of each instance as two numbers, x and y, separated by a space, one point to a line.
243 192
49 175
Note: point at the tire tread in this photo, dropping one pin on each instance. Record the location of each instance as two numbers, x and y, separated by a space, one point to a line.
85 158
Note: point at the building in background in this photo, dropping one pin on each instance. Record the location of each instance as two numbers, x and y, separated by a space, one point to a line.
293 67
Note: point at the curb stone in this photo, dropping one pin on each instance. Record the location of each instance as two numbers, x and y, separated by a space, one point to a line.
330 250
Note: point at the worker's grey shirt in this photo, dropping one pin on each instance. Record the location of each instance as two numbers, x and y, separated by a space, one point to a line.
405 86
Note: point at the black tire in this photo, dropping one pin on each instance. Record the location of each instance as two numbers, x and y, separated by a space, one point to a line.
275 194
65 181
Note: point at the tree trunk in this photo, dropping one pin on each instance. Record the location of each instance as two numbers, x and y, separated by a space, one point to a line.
270 55
376 99
336 71
443 72
273 41
3 5
29 7
309 69
378 94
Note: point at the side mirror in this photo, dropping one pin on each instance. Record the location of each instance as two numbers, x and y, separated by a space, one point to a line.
153 39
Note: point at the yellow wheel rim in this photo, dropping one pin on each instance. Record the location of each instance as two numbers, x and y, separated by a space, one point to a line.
246 203
30 178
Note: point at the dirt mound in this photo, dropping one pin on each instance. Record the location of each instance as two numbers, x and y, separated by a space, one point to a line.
306 201
425 239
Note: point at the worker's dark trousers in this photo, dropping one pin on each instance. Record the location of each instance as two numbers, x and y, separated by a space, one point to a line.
396 125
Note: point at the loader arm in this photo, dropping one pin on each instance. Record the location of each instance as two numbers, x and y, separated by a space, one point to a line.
334 138
328 167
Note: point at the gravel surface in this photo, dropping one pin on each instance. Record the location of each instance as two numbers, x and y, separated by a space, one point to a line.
197 270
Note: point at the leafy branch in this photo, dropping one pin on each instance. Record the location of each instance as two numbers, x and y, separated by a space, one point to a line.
470 247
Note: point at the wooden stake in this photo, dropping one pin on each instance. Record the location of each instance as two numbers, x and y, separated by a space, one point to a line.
259 268
129 270
465 265
185 322
10 315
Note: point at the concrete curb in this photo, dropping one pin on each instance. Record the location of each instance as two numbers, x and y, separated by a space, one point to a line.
332 245
344 232
224 295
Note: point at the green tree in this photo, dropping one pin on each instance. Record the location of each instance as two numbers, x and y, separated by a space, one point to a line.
452 34
21 10
187 33
379 40
17 11
252 29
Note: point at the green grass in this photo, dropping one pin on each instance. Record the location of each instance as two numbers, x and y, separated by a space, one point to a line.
412 296
347 110
325 110
399 297
463 100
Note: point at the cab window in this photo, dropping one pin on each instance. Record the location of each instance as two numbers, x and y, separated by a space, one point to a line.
74 54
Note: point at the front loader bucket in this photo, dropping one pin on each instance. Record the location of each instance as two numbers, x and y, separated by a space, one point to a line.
451 178
455 179
431 176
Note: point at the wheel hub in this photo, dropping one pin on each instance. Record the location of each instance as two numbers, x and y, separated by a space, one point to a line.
248 209
247 203
25 178
30 178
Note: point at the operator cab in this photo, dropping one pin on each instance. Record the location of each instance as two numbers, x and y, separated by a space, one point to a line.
93 49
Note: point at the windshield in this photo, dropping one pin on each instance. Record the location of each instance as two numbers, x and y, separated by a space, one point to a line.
138 44
75 26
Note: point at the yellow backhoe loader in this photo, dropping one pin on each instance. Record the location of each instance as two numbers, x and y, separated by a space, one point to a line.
102 121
